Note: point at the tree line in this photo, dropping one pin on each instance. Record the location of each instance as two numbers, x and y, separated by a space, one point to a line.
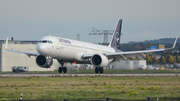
164 59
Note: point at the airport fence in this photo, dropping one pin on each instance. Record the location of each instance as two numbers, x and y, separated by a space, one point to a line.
163 99
110 99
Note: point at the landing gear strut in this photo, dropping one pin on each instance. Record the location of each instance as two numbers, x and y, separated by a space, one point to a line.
98 69
62 69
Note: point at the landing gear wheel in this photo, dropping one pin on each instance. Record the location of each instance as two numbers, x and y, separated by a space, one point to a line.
64 69
96 69
101 70
60 69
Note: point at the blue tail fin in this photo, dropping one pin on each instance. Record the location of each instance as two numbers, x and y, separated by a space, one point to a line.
115 41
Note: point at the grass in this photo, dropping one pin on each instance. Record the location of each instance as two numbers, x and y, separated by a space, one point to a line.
131 88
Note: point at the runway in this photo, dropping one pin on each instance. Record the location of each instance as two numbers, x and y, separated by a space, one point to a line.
90 75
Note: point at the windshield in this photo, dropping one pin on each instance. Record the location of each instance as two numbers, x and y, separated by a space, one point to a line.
45 41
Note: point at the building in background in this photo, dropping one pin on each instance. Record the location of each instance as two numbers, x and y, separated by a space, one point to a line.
11 59
130 64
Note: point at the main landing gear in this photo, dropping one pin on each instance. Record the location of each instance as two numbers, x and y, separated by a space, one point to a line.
62 69
99 69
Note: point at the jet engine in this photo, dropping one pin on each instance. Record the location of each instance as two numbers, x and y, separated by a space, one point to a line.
43 61
99 60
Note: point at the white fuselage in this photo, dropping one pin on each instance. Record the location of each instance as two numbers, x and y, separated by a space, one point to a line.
69 50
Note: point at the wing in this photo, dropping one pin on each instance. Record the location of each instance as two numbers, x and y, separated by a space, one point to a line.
123 55
25 52
132 53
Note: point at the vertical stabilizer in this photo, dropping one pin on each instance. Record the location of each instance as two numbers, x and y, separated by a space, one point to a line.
115 41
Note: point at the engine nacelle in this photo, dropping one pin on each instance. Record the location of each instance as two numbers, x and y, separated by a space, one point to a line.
99 60
43 61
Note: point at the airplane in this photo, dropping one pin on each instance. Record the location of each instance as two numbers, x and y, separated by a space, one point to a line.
73 51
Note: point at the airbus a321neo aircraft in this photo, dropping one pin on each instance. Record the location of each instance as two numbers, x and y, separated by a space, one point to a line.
67 50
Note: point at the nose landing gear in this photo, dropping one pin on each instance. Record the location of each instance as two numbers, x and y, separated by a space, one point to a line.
62 69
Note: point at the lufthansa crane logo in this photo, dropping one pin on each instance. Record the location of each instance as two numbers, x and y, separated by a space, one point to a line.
117 39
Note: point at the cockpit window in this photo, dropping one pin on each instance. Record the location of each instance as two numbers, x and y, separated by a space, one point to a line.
45 41
49 41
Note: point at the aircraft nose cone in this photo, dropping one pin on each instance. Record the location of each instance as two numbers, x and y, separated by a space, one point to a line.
41 49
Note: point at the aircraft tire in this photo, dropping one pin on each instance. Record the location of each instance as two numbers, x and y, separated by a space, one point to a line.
96 69
101 70
60 69
64 69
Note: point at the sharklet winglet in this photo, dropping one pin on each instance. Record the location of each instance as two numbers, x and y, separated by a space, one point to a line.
6 44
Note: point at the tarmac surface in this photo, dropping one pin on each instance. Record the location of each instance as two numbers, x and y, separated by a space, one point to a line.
84 75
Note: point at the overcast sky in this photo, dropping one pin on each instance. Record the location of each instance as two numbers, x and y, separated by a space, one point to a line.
142 19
